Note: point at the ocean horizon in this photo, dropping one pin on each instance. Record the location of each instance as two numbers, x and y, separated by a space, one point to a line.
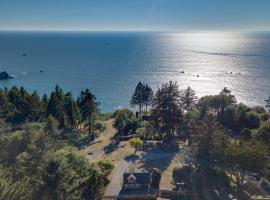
110 64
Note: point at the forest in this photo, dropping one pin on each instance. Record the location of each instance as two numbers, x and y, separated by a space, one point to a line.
229 142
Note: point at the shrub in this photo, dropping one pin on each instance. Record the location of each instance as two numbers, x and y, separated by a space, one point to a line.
125 121
246 134
264 117
99 126
136 143
253 120
106 166
264 133
51 125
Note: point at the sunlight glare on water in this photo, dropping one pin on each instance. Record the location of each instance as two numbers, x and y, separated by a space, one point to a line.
221 60
111 64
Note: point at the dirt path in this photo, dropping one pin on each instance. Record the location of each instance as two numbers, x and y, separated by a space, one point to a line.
115 185
118 151
95 151
105 147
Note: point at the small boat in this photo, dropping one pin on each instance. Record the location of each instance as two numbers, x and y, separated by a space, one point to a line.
198 75
24 54
182 72
41 71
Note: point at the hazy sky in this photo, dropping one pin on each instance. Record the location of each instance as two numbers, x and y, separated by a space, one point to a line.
153 15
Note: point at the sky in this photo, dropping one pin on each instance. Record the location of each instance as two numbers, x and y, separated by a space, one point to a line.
135 15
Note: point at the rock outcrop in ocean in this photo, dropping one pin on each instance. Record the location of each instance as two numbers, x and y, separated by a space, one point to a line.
4 76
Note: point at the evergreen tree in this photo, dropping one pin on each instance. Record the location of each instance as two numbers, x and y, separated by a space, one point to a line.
36 107
267 101
207 152
72 111
7 109
138 97
188 98
56 104
20 99
208 143
246 156
227 100
147 96
167 111
45 101
88 108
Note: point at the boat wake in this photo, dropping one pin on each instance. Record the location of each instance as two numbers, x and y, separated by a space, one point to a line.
226 54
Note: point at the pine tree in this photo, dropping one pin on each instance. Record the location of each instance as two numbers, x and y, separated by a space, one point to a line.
56 104
45 100
88 108
267 101
208 142
167 112
72 110
20 99
207 152
36 107
138 97
7 110
188 98
147 96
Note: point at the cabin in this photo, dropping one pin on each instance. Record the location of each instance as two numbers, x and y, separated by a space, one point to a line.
137 186
136 181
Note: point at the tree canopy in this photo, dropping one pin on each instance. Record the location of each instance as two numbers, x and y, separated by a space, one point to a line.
167 112
142 97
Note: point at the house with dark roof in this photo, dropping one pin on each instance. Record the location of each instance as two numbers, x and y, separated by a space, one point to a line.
137 186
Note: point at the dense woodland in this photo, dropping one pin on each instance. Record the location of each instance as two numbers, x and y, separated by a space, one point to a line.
38 154
39 140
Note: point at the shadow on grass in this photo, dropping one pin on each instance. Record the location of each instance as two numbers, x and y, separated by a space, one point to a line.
113 144
159 157
132 157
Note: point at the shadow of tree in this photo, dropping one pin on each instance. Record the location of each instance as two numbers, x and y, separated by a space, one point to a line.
113 144
158 157
132 157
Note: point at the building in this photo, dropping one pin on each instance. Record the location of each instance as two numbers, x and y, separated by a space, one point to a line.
137 186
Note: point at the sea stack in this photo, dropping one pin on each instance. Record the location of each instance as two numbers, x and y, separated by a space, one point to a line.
4 76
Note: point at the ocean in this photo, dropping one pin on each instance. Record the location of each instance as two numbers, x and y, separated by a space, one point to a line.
110 64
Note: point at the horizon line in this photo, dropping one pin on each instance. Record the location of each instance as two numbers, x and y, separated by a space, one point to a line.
123 30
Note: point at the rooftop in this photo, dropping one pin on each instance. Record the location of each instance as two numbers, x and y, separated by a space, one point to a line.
141 178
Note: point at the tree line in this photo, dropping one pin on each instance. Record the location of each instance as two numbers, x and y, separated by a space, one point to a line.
37 160
171 108
19 106
227 140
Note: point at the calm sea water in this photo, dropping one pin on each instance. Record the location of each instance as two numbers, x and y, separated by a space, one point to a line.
111 64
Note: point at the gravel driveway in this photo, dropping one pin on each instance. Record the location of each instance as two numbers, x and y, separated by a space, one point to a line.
115 185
